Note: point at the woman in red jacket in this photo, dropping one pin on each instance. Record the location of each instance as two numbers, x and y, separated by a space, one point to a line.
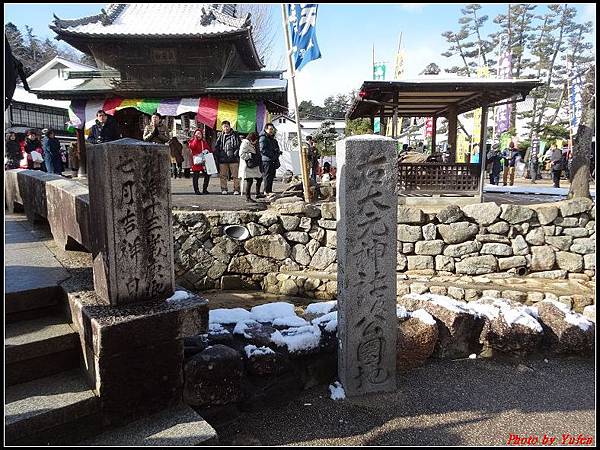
199 148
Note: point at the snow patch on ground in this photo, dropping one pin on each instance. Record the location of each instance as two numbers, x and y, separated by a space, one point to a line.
253 350
271 311
298 339
321 307
227 316
337 391
216 328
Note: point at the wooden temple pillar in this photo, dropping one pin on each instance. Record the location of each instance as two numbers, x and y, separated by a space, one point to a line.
483 148
372 123
382 121
452 129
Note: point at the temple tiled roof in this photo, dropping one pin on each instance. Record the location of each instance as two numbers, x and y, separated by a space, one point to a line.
156 20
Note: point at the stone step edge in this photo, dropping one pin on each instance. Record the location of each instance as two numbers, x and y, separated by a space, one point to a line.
176 426
67 340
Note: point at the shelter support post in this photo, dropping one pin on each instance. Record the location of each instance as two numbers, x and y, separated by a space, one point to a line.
82 171
381 121
452 129
373 124
483 148
395 116
433 132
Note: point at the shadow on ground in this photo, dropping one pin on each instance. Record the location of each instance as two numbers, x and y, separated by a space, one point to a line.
469 402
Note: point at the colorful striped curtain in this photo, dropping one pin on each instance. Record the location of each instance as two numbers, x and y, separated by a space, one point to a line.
244 115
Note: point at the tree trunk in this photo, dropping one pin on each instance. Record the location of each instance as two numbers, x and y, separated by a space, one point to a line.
580 168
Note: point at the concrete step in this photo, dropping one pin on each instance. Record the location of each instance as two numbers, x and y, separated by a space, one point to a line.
39 347
56 410
32 303
179 425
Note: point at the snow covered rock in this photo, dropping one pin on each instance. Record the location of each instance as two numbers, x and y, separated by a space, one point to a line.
262 360
458 326
319 309
417 336
509 328
271 311
337 391
213 377
254 332
299 339
565 331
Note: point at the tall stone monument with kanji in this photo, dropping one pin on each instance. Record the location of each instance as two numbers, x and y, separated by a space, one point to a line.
366 254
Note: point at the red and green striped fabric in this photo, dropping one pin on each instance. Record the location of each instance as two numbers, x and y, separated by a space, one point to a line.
243 115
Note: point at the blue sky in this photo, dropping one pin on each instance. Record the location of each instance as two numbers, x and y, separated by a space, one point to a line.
345 33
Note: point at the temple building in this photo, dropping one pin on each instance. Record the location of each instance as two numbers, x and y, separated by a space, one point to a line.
196 64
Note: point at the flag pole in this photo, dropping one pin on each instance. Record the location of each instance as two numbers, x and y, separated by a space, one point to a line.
301 149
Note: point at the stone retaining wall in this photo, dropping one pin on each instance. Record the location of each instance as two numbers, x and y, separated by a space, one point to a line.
554 241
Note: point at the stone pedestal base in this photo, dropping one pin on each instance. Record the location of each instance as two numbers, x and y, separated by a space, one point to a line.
133 355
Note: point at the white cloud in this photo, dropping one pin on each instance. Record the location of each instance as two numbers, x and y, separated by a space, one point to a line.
418 7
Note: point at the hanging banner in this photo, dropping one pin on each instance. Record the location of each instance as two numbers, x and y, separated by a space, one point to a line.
429 127
462 147
504 111
575 103
379 70
482 72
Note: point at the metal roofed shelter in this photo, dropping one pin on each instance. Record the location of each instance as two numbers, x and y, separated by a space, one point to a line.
438 97
177 58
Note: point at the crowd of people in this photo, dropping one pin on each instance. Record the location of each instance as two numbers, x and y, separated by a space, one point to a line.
246 161
35 152
505 162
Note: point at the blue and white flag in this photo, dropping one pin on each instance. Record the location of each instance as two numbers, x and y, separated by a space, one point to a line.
303 21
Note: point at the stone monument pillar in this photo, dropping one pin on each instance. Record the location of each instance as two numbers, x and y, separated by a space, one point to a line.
366 254
130 221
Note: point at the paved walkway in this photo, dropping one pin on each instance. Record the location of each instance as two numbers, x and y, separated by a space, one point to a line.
29 262
462 402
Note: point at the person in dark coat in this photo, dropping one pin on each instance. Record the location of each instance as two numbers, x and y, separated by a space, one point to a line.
227 152
52 157
313 158
269 151
494 161
32 143
106 129
13 152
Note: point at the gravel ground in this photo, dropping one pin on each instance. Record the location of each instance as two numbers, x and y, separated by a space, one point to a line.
461 402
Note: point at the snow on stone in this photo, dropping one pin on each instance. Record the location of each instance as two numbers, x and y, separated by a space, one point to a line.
490 311
532 311
242 326
227 316
423 316
326 318
337 391
321 307
472 356
298 339
578 320
519 316
572 317
444 302
331 326
179 296
290 321
253 350
271 311
216 328
590 313
401 312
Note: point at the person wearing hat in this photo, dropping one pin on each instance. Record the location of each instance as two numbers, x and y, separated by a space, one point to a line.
51 147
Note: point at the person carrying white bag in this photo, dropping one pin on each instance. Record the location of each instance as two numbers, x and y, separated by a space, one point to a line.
201 161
